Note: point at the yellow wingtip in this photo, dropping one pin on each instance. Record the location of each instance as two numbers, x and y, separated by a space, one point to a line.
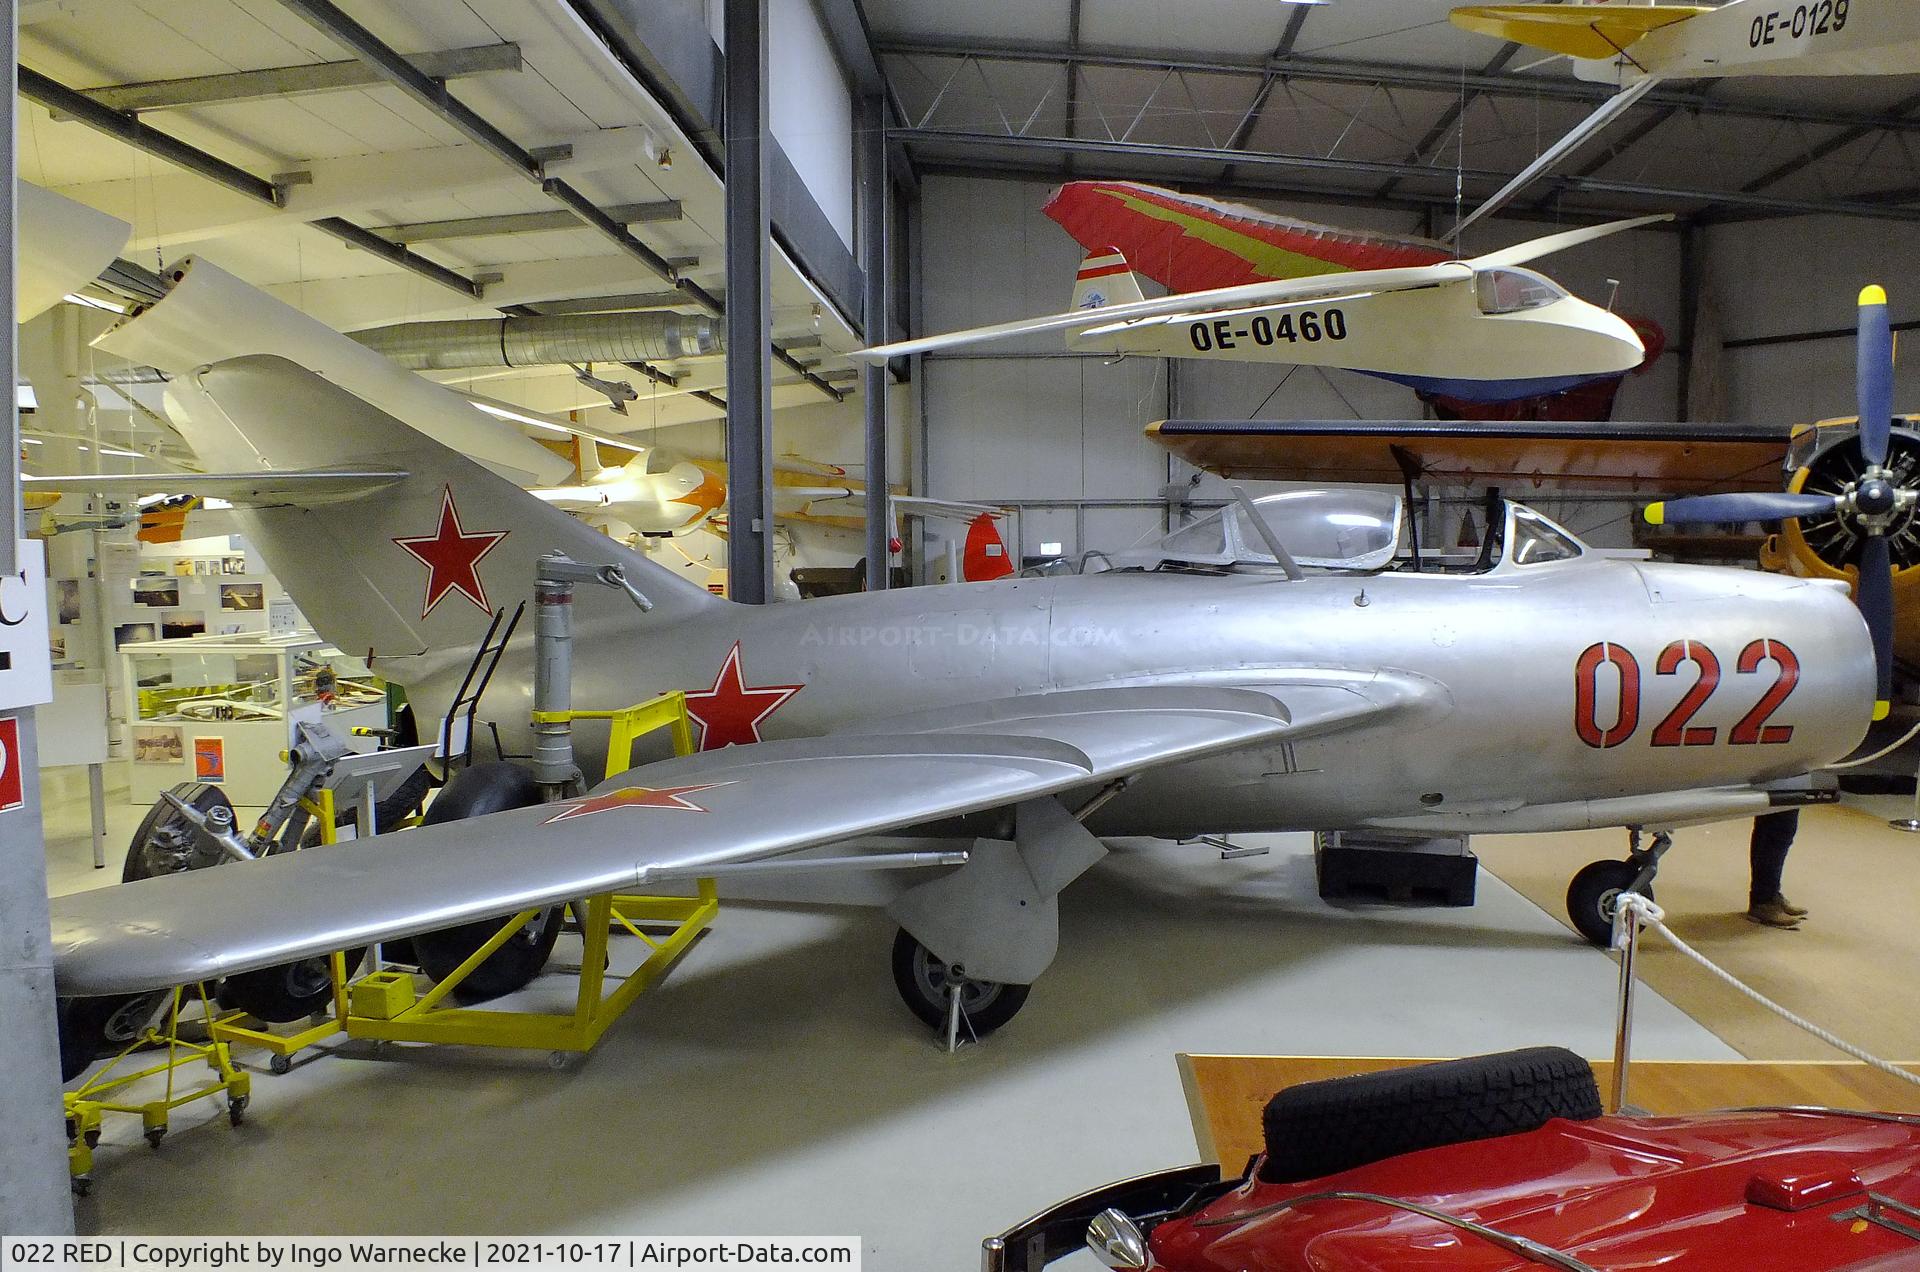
1656 514
1873 294
1882 709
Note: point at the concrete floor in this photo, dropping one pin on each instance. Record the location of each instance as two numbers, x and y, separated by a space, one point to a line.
775 1085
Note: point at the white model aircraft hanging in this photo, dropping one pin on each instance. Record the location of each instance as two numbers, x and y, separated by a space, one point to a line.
1636 46
1482 329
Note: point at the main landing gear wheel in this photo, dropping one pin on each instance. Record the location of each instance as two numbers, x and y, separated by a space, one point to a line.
1594 892
927 986
475 792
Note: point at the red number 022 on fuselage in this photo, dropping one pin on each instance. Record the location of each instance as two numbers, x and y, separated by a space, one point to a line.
1677 729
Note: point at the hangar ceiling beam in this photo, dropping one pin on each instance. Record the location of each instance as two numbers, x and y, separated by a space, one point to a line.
1839 141
431 93
1593 185
523 223
1321 70
62 100
1451 116
295 81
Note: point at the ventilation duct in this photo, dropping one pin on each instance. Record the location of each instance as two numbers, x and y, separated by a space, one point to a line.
543 340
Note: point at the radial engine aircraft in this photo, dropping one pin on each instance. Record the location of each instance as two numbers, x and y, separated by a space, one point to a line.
1482 329
1282 665
1622 43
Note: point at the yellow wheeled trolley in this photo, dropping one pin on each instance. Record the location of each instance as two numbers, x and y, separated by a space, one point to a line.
110 1090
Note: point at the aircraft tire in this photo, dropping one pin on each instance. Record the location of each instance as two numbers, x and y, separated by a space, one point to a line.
476 791
93 1028
923 982
162 842
1320 1128
1590 897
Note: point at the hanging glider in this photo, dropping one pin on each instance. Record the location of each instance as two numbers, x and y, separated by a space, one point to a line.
1483 329
1619 42
1638 46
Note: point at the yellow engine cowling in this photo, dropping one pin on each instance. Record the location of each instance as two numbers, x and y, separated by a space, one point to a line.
1789 553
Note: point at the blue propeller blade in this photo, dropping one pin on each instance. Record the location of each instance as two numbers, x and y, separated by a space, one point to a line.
1875 375
1746 506
1875 598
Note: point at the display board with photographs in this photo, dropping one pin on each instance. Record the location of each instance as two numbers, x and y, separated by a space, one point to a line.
156 591
159 744
243 596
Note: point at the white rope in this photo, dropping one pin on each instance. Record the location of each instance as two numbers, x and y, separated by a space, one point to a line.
1884 751
1651 915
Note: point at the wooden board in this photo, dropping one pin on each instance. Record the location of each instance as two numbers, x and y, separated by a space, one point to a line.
1648 457
1225 1094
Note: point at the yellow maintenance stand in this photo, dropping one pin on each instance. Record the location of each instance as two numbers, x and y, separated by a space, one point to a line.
386 1006
383 1005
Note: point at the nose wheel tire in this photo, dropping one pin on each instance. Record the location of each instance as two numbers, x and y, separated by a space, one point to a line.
1594 894
927 985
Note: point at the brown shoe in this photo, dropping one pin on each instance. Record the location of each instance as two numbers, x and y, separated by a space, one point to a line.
1773 914
1797 911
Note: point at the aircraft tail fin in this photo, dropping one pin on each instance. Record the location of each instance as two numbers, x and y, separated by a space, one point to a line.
421 566
1105 279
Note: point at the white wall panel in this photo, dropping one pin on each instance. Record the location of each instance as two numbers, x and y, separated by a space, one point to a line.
1780 277
810 108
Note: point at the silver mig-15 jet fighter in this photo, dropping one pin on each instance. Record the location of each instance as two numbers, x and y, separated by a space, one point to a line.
1285 665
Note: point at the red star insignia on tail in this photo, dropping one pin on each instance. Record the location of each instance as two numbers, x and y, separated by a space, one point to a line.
730 713
635 797
452 557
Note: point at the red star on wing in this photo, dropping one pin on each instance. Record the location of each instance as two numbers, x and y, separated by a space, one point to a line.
452 557
635 797
730 713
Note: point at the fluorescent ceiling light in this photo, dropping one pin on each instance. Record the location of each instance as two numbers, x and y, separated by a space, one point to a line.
125 454
522 417
24 399
31 441
93 302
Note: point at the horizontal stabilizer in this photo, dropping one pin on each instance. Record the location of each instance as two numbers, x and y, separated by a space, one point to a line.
303 488
1662 457
1583 31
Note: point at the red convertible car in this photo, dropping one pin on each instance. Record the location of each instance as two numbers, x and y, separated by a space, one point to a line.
1506 1164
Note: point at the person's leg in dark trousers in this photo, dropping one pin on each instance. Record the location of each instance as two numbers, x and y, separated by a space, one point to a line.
1772 837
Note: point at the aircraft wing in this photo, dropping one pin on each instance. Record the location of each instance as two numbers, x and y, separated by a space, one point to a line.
1279 291
1582 31
677 817
261 490
1664 457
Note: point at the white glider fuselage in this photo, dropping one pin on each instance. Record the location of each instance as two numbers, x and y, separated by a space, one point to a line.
1774 37
1434 334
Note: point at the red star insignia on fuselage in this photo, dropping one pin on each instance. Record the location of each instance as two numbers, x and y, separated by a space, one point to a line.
635 797
452 556
730 713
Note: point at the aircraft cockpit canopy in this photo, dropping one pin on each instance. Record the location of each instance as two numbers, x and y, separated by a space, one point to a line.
1343 529
1340 529
1510 291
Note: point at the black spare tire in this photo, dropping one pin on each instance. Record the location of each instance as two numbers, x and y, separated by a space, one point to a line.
475 792
1319 1128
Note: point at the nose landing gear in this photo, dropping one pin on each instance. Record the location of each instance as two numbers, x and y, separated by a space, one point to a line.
1592 895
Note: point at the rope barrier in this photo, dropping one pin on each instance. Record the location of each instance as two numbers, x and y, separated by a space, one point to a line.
1882 753
1637 908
